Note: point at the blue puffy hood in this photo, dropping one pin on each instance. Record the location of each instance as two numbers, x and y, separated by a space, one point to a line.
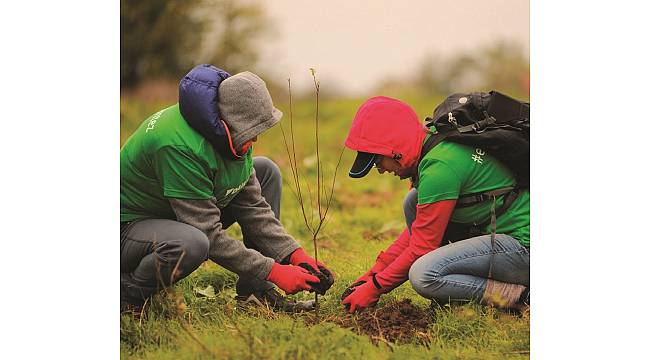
198 96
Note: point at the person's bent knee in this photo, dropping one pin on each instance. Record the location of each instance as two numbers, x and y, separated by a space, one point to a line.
410 201
429 287
409 206
267 166
425 280
416 278
270 179
195 247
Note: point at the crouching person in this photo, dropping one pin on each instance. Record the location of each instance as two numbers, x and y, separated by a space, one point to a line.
186 174
387 135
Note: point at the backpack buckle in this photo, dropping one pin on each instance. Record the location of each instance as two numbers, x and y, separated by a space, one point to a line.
452 119
481 125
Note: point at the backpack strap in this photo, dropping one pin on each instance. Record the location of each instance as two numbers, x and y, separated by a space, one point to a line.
510 197
524 111
433 140
493 222
473 199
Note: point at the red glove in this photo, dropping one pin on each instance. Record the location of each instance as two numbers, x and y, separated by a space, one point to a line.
291 278
299 257
363 296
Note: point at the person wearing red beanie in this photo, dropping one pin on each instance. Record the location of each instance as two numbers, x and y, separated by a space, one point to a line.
387 135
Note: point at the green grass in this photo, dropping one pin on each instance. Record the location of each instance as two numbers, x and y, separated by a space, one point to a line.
205 328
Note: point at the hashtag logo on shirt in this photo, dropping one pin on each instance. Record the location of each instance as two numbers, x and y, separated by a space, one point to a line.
477 157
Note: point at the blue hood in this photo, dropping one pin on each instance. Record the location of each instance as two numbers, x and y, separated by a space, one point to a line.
198 96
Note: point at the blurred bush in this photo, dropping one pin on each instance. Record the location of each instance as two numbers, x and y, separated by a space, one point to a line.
166 38
501 65
161 40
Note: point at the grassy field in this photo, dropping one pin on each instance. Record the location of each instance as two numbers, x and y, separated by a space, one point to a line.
365 217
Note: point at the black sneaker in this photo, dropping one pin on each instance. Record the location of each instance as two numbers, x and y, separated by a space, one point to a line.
273 299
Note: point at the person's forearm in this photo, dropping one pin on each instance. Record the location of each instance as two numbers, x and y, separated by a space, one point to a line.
426 235
224 250
258 223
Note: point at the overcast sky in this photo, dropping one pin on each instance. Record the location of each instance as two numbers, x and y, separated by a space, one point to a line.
356 43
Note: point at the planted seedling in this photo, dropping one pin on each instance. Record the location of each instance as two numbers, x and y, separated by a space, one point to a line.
323 200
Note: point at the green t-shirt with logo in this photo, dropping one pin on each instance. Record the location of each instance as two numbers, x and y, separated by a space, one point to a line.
165 158
450 170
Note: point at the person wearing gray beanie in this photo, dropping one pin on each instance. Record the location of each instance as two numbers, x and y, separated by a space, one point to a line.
187 174
246 107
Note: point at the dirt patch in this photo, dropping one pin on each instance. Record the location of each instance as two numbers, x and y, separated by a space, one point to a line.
398 322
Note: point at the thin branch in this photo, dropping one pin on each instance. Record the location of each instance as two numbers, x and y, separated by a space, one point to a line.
329 201
318 162
294 169
311 207
285 181
293 163
321 191
336 170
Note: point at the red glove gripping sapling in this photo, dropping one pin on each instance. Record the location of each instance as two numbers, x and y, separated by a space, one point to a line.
291 278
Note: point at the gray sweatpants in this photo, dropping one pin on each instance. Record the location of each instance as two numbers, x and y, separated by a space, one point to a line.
150 249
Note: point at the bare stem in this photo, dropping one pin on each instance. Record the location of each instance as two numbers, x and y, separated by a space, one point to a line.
319 174
329 201
294 171
293 162
323 201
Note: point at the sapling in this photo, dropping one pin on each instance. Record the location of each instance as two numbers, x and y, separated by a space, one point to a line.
323 199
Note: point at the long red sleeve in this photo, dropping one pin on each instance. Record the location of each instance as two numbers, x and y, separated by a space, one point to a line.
392 252
426 235
387 256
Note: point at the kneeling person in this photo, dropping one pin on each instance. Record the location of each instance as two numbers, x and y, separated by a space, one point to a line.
187 174
387 134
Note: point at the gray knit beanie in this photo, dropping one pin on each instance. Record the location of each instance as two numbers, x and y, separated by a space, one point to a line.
246 106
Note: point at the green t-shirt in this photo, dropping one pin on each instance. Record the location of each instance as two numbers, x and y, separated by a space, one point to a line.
166 158
450 170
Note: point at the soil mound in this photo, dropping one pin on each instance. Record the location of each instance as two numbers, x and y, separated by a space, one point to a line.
396 322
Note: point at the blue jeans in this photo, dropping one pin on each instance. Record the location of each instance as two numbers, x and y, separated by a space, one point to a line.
459 271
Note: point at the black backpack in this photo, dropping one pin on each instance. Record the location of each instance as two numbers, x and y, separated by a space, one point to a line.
494 122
